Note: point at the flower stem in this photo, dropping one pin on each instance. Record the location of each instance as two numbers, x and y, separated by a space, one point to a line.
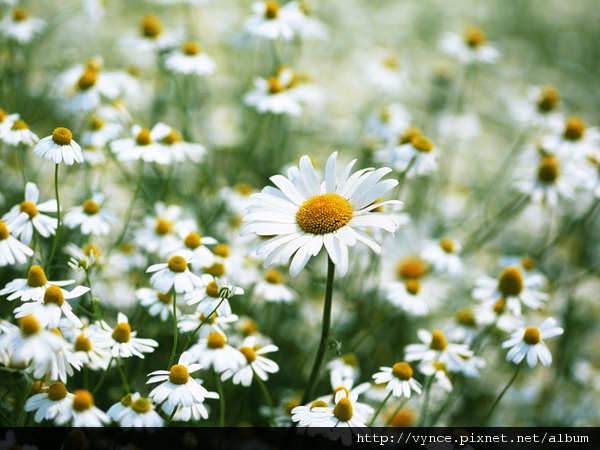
314 375
103 376
170 418
55 243
190 337
380 408
136 192
511 381
426 401
221 401
123 378
387 424
265 391
21 150
172 358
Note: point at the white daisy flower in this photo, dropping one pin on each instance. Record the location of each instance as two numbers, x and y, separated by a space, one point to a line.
122 341
270 95
7 327
87 350
343 418
399 379
91 217
52 404
181 151
464 327
308 416
386 72
443 255
513 287
412 296
573 139
256 363
158 235
33 287
58 147
439 371
528 267
495 312
175 274
13 251
470 48
20 26
144 145
83 413
197 244
158 304
133 410
344 367
271 21
306 24
272 289
99 132
83 258
541 108
435 347
191 322
527 342
178 388
20 134
53 306
30 209
338 383
415 157
305 215
6 122
214 292
190 60
389 123
213 351
151 39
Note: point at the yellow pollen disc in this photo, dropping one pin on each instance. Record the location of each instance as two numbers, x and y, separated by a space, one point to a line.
83 344
350 359
249 353
403 418
422 144
318 404
402 371
177 264
549 99
57 391
122 332
271 9
548 169
163 226
499 305
164 298
466 317
215 340
126 401
56 331
250 327
343 410
474 37
127 248
88 79
151 25
323 214
273 277
447 245
510 282
574 128
29 208
36 277
141 405
97 124
54 295
528 263
19 125
439 366
212 289
191 48
20 14
291 404
83 400
392 62
193 241
412 286
212 319
30 325
4 233
35 388
222 250
3 115
244 188
409 134
337 389
275 86
179 374
62 136
90 207
412 267
216 270
532 336
91 249
173 137
143 137
438 341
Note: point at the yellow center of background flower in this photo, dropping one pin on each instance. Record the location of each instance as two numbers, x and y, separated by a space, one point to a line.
141 405
574 128
318 404
325 213
191 48
422 144
338 389
216 270
126 401
549 99
275 86
57 391
249 353
30 326
88 79
4 233
447 245
143 137
273 277
215 340
122 332
412 267
532 336
91 249
439 366
54 295
90 207
173 137
163 226
466 317
62 136
97 124
402 371
511 282
164 298
83 344
212 289
271 9
438 341
179 374
20 14
412 286
549 169
474 37
291 404
177 264
222 250
36 277
151 25
350 359
29 208
83 400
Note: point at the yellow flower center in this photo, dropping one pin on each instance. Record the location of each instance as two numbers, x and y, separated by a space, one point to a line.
83 344
179 374
532 336
211 320
325 213
4 233
273 277
343 410
88 79
29 208
91 249
216 270
448 245
338 389
412 286
466 317
90 207
549 99
275 86
163 226
574 128
409 134
97 124
528 263
191 48
474 37
499 305
402 371
177 264
20 14
438 341
54 295
122 332
318 404
164 298
403 418
350 359
216 340
173 137
126 401
36 277
56 331
440 366
291 404
511 282
57 391
548 169
30 326
392 62
244 188
141 405
143 137
212 289
249 353
62 136
250 327
271 9
83 400
19 125
412 268
35 388
151 25
222 250
422 144
3 115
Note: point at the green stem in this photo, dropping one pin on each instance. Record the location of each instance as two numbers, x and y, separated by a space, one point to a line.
265 391
221 401
55 243
136 192
123 378
175 333
170 418
511 381
426 401
380 408
314 375
387 424
5 417
21 150
103 377
199 326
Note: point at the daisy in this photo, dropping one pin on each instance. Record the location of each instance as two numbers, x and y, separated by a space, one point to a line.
215 293
439 371
20 134
58 147
213 351
471 47
87 350
271 21
190 60
158 235
527 342
122 341
181 151
306 24
272 288
513 287
415 157
443 255
541 108
175 274
343 419
158 304
52 404
233 260
83 258
303 214
270 95
33 287
152 38
256 363
30 209
573 138
135 411
63 362
346 366
99 132
338 383
464 327
12 251
49 310
387 73
6 122
20 26
399 379
197 244
85 87
178 388
91 217
435 347
83 413
307 416
410 293
143 145
191 322
389 123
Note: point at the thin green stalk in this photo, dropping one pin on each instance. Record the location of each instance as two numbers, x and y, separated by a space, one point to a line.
123 378
55 243
21 150
221 401
190 337
380 408
402 177
103 376
5 417
314 375
511 381
175 332
426 401
400 406
136 192
265 391
170 418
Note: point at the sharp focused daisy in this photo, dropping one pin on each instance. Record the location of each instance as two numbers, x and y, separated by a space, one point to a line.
91 217
527 342
304 215
83 413
215 293
256 363
12 251
135 411
33 287
53 306
342 419
175 274
53 404
59 147
399 379
214 351
122 341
